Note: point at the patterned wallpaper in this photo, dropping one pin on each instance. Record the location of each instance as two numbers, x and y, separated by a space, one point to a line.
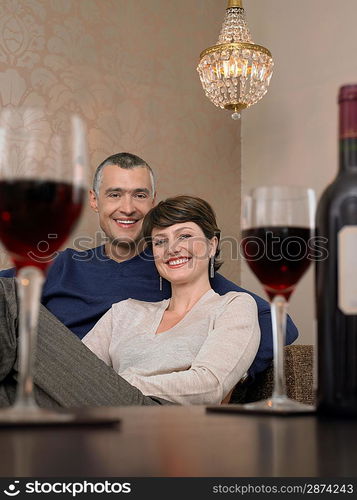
129 68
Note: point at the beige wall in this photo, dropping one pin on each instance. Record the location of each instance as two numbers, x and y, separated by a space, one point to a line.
129 67
290 137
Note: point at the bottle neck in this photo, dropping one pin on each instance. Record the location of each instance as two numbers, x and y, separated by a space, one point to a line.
348 135
348 155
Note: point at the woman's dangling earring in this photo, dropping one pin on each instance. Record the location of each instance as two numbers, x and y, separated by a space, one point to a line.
211 267
160 284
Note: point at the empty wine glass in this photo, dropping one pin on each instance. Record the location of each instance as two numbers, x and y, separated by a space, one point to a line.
43 176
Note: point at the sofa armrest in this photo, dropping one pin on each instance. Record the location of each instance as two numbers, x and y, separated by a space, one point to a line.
299 362
298 373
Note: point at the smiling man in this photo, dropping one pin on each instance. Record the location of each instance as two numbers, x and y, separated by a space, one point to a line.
82 285
122 197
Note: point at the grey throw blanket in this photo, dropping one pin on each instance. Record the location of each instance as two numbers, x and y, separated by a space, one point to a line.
67 373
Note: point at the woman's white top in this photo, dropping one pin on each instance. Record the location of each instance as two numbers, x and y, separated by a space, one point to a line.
197 361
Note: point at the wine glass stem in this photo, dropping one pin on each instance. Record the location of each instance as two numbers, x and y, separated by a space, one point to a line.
29 282
278 316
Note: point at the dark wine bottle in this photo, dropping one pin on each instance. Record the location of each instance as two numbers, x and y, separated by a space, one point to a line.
336 274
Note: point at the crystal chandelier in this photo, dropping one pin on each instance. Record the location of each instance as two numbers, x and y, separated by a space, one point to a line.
235 73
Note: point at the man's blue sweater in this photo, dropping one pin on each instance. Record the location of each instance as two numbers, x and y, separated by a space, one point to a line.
81 286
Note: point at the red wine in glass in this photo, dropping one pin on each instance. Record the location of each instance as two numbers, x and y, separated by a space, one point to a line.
277 223
278 256
36 217
43 177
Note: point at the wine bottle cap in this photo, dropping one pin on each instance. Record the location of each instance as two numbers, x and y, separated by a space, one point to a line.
348 93
348 112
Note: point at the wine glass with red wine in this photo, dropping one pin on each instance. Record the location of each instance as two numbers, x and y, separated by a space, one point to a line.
278 224
43 176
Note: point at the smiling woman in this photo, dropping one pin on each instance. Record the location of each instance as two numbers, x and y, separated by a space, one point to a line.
183 247
194 347
184 209
184 238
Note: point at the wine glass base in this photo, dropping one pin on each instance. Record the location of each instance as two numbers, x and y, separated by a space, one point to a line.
16 415
271 406
34 416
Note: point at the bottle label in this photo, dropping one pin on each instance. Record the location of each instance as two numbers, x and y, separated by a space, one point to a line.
347 269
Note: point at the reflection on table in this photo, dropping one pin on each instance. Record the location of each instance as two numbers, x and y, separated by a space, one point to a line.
184 441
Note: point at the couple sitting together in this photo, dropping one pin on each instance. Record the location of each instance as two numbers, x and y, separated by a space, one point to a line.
144 319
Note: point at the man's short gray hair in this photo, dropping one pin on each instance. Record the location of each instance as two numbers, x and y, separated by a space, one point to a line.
123 160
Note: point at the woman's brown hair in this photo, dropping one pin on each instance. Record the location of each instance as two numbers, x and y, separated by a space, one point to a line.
179 209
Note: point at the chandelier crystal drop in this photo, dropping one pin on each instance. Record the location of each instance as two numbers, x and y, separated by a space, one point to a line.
235 73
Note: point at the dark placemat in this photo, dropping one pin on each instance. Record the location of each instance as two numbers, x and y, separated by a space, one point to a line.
233 408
